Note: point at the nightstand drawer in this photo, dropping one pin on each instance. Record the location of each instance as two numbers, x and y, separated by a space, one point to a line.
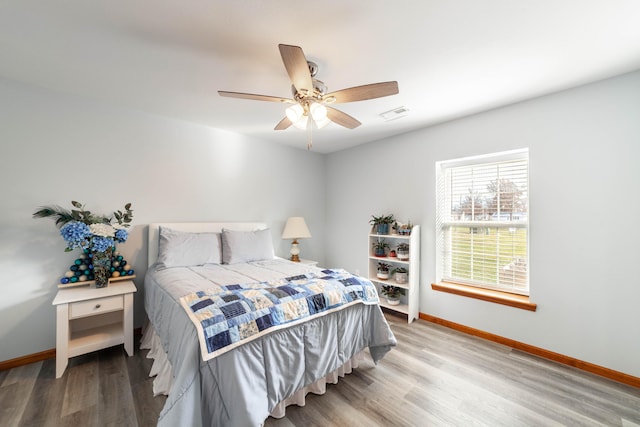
95 306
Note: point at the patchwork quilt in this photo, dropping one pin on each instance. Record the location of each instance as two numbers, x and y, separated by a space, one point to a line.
231 315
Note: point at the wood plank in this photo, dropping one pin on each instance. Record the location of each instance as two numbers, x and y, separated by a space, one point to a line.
115 402
15 391
45 403
81 393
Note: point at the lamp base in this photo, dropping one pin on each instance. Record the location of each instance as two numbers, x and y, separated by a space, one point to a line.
295 251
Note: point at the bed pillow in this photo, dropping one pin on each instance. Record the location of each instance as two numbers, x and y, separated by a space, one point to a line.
245 246
183 249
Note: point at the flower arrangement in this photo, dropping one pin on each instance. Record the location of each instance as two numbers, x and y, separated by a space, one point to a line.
82 229
96 235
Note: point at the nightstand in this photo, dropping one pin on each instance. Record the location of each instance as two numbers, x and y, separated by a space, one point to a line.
90 319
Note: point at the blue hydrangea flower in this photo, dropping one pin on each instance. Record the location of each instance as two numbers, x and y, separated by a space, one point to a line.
76 234
101 244
121 235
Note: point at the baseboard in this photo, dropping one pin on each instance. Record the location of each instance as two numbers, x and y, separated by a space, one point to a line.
537 351
43 355
29 358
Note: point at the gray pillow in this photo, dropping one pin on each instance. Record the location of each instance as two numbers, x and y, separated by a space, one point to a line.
184 249
245 246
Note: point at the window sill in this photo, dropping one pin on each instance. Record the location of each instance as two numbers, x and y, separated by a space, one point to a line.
505 298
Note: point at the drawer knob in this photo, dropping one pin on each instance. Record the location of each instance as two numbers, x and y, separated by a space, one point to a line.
97 306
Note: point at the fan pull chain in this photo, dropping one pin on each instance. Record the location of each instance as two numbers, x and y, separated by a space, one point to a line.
309 131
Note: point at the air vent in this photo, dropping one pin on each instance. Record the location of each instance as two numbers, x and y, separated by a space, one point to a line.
394 114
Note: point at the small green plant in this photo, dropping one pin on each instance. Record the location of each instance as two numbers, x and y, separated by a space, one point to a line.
402 247
383 267
399 270
404 229
379 248
382 219
390 291
382 223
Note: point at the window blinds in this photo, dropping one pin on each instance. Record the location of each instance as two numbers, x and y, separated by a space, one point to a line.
483 207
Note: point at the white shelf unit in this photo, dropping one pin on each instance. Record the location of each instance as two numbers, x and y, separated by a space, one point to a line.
410 301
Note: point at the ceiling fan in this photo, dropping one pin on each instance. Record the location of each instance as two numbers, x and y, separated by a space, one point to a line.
309 106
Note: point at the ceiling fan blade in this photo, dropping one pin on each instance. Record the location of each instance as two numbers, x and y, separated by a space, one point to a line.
296 64
360 93
283 124
254 96
343 119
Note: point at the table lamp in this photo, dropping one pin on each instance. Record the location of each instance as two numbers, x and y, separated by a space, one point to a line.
295 229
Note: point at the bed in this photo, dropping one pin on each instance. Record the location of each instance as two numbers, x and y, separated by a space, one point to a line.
242 382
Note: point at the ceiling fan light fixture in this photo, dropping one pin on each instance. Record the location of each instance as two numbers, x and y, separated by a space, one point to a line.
318 112
322 122
301 123
295 113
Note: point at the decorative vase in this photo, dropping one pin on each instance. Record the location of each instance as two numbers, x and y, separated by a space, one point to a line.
383 228
403 255
393 301
102 267
382 275
401 277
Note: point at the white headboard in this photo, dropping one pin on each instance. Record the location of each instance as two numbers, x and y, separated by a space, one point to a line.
193 227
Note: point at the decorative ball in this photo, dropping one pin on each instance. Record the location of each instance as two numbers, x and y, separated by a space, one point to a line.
82 267
69 274
74 268
64 280
77 273
73 279
83 256
78 262
115 274
130 272
127 267
83 278
115 264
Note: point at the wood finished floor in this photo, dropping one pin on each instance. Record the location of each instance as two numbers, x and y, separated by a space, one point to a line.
435 377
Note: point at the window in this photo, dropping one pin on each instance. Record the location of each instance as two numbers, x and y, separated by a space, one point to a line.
483 221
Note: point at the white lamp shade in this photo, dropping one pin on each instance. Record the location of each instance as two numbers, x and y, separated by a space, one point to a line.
296 228
318 112
294 113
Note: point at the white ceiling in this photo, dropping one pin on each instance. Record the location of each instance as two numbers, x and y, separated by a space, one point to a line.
451 58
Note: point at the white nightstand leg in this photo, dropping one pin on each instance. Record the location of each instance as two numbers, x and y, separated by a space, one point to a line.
62 339
128 324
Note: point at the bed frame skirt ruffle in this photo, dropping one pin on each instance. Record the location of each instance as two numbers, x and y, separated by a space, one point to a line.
162 371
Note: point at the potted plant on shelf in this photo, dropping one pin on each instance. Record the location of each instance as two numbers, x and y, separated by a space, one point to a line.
383 271
382 223
404 229
392 293
400 275
379 248
403 251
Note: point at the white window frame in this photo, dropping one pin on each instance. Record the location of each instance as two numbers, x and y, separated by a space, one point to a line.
446 222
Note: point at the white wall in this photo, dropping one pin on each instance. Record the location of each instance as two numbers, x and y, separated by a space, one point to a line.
56 148
584 194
